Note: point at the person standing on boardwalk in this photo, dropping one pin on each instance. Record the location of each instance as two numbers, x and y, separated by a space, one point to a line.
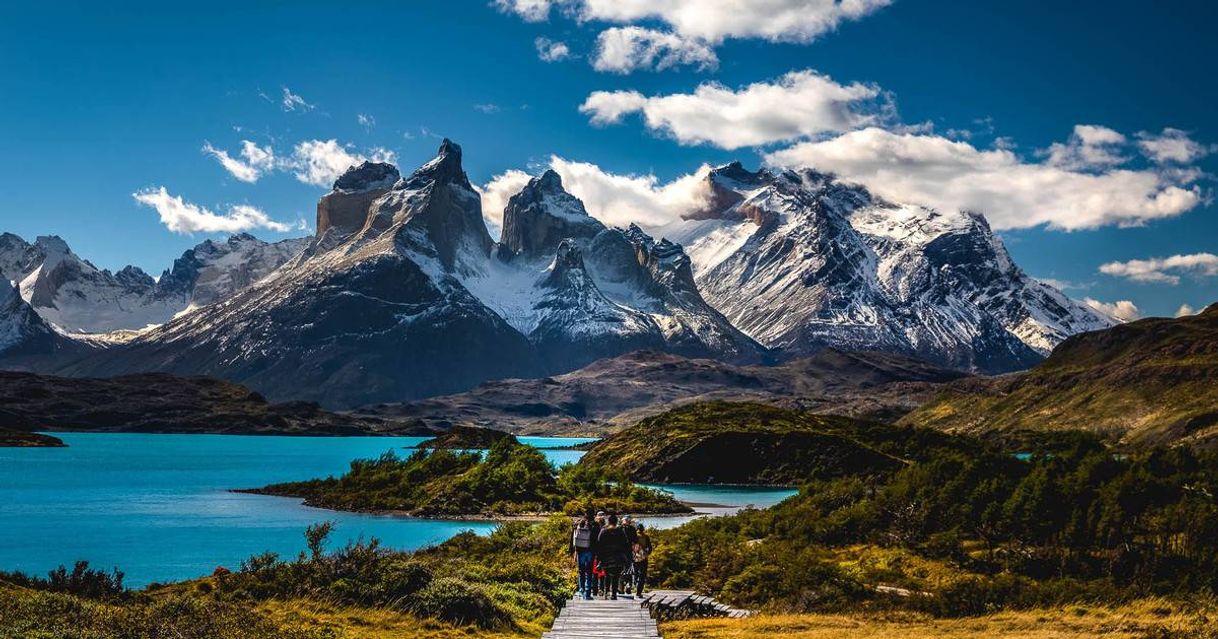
614 551
583 537
598 570
627 580
642 550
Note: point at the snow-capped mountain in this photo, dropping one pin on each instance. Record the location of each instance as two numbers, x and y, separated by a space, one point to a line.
78 297
27 340
415 299
801 261
581 291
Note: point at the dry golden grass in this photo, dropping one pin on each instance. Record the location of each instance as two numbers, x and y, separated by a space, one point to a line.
1146 619
366 623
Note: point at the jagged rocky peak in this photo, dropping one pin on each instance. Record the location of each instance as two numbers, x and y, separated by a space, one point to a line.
543 214
444 168
345 208
726 187
367 176
568 259
134 277
436 211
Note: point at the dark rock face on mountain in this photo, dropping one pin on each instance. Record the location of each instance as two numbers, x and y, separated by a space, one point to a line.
542 215
345 208
613 393
159 403
801 261
1149 382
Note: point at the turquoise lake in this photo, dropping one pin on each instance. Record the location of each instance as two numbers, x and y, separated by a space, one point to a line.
158 507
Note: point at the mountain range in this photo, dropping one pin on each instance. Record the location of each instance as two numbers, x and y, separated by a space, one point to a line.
402 293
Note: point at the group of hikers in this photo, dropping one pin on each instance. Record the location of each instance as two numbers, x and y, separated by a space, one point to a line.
611 554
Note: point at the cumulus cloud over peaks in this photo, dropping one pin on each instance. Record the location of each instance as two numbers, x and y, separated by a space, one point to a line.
257 160
1089 147
184 217
1011 192
320 162
1120 310
495 195
625 49
800 104
1172 146
1164 270
711 20
615 199
692 27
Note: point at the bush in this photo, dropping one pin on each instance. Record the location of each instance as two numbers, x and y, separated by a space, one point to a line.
456 601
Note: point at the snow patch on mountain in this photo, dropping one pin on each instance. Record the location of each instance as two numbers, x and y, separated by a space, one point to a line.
801 261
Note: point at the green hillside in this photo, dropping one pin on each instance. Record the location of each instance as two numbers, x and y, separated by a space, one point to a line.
1150 382
751 443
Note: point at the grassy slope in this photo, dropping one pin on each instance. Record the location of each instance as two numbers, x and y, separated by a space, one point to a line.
1150 382
754 443
16 438
1145 618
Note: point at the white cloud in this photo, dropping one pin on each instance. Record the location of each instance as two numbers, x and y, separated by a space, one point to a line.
529 10
320 162
495 196
1012 193
1172 146
551 51
800 104
365 120
626 49
712 20
1185 310
293 102
1164 270
181 216
1120 310
615 199
1089 147
487 108
258 160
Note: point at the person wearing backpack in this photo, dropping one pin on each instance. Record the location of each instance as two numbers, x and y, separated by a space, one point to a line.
614 553
583 538
642 550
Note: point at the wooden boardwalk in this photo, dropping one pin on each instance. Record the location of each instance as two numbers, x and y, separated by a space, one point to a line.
631 618
624 618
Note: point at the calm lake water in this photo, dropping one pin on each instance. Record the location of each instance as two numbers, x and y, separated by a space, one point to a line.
158 506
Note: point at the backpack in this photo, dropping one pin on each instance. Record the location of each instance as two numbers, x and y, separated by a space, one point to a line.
582 539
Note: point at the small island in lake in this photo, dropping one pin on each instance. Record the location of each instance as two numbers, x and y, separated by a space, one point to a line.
19 439
467 438
511 479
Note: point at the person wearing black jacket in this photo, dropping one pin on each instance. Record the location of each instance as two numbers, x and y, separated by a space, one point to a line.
614 550
627 526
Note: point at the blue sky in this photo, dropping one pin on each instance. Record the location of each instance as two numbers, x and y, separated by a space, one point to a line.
98 103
